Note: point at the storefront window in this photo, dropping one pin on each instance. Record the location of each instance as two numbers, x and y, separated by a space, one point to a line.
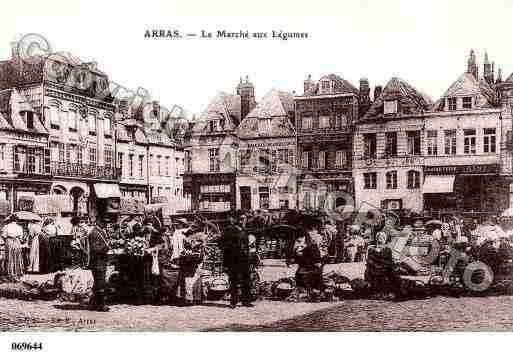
469 141
489 142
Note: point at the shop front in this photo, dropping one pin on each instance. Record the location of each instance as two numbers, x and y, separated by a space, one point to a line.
325 191
465 188
210 192
20 193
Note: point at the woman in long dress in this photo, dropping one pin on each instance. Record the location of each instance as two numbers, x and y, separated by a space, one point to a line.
34 230
13 234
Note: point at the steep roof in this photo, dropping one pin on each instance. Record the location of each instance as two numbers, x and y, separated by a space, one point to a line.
12 103
223 107
276 105
342 85
410 101
468 85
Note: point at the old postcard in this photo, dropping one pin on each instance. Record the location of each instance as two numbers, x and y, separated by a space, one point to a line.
265 167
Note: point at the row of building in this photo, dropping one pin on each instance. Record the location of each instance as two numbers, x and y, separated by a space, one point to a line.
62 131
336 145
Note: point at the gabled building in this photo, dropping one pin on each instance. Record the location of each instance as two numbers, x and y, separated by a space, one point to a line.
73 101
212 151
325 115
463 147
24 152
266 176
387 159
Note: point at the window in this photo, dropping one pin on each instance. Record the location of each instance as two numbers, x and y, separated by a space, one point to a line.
469 141
340 159
306 123
325 86
489 142
131 165
107 126
305 159
391 180
322 159
152 166
264 160
92 155
213 155
369 143
188 163
451 103
390 107
264 125
369 180
413 179
120 162
60 147
69 147
167 165
73 120
432 143
177 167
108 156
467 102
450 142
30 120
141 166
2 156
413 143
79 154
264 197
55 122
159 172
324 122
340 121
391 144
31 160
92 124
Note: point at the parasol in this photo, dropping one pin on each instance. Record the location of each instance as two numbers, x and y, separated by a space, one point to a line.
27 216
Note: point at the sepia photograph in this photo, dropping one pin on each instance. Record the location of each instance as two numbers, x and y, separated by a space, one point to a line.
269 167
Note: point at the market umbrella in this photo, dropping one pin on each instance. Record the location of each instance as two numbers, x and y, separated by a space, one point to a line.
27 216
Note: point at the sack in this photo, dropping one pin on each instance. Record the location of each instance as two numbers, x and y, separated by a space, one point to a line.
155 270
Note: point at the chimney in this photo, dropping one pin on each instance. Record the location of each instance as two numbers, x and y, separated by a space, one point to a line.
246 91
472 65
308 86
377 92
364 100
488 70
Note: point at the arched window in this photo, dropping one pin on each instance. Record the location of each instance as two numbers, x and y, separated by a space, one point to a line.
391 180
413 179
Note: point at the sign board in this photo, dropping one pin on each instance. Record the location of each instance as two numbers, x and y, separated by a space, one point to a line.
465 169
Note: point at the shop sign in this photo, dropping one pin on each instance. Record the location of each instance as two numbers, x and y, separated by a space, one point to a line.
465 169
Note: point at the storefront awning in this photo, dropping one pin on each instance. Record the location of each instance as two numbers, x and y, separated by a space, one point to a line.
107 190
438 184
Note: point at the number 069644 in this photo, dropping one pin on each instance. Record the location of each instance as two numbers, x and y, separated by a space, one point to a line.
27 346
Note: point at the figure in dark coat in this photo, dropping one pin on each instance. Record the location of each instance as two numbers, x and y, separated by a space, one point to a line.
237 261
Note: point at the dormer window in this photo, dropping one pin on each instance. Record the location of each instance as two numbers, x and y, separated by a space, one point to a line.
451 103
390 107
30 119
467 102
264 125
325 86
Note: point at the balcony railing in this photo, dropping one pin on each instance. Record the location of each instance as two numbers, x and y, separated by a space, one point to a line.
65 169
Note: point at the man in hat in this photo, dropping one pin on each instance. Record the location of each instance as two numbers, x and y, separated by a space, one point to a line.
97 241
237 260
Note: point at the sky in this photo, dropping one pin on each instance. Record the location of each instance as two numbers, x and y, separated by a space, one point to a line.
425 43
